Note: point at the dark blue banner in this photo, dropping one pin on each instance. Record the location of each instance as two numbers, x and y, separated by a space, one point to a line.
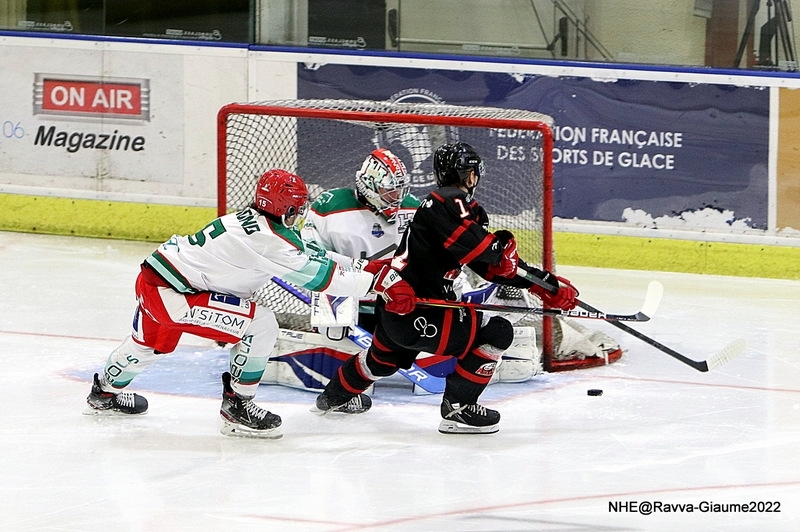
649 152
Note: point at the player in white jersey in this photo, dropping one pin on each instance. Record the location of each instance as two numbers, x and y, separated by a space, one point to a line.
201 284
368 222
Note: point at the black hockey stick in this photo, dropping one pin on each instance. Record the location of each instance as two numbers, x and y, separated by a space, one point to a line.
651 301
363 339
714 361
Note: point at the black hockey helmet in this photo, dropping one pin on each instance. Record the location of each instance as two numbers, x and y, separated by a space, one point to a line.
452 163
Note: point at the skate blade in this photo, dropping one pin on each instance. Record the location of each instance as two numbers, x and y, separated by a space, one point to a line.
240 431
90 411
454 427
337 411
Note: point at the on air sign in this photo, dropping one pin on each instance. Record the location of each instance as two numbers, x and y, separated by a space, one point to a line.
91 97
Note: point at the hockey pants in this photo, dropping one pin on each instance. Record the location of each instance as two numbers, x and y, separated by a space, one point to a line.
163 315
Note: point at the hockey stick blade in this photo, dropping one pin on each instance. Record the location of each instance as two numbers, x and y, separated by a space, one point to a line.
652 299
714 361
729 352
363 339
655 291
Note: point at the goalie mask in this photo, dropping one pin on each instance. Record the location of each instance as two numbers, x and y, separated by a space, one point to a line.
452 164
281 195
383 183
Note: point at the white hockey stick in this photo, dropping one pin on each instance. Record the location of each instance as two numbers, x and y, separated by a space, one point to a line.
719 358
652 299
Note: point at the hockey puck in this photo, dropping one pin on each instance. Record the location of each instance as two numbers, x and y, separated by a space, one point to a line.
594 391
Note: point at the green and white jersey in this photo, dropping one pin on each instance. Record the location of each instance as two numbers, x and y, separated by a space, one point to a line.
341 223
238 253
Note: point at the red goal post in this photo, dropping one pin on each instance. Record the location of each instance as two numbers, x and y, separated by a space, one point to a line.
325 141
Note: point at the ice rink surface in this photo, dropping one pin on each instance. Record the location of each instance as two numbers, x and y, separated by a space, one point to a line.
662 435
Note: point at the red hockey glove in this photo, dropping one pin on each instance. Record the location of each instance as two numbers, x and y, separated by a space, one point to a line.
507 267
397 293
371 266
565 298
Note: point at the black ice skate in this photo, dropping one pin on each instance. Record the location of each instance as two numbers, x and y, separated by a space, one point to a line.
468 419
328 401
111 404
242 417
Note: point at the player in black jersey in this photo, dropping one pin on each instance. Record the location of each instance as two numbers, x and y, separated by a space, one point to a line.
449 230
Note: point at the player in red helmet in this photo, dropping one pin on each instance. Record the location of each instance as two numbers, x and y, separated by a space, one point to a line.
282 196
202 284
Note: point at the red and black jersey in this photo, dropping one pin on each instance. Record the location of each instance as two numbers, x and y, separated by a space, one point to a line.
448 231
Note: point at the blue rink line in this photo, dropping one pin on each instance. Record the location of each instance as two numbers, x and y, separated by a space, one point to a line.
192 372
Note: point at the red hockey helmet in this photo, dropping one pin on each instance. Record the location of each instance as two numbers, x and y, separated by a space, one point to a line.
281 194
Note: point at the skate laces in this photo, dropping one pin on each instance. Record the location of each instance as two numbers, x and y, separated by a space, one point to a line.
475 409
478 409
126 399
253 410
355 402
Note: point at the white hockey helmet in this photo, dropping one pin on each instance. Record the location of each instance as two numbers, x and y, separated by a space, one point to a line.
383 182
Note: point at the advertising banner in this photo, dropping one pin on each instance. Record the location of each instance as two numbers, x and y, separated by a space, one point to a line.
651 153
88 113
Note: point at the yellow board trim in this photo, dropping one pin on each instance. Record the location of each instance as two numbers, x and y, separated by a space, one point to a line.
156 223
685 256
103 219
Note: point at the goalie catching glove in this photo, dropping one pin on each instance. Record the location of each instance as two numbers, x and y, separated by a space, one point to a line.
565 297
397 293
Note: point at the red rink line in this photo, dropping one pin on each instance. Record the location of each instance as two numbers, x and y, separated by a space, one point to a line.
635 379
521 505
94 338
705 384
46 335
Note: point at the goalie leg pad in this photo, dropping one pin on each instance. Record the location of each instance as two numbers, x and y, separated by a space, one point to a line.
522 360
306 360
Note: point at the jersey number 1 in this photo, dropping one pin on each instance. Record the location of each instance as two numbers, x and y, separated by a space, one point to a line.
461 207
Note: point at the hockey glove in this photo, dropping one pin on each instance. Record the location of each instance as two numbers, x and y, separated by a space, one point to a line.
397 293
372 266
565 298
507 267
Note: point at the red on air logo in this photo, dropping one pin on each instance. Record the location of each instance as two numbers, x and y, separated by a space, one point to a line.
91 97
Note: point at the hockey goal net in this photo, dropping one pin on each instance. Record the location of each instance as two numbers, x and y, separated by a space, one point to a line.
325 142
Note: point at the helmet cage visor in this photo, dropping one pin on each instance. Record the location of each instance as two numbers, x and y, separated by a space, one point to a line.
383 182
297 214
